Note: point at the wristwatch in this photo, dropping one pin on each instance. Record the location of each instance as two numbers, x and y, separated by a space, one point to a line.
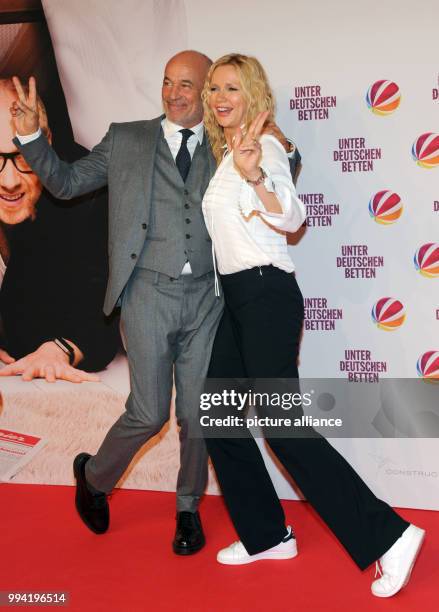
259 180
291 146
263 178
66 348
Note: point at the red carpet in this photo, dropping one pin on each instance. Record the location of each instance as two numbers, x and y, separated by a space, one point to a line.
45 547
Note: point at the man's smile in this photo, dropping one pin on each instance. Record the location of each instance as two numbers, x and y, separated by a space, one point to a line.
177 104
12 200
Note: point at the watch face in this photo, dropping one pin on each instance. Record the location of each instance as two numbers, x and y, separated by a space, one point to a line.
292 146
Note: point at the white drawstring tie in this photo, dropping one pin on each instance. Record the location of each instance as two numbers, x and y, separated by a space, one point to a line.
217 290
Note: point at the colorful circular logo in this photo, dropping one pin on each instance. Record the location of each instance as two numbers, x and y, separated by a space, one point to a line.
383 97
427 260
385 207
388 313
428 365
425 150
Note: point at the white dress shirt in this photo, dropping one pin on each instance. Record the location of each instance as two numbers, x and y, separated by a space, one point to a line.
173 136
244 235
25 138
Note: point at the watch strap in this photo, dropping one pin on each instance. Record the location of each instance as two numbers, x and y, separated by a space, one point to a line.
66 348
259 180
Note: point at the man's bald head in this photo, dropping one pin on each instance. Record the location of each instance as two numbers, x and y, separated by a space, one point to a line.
183 82
199 61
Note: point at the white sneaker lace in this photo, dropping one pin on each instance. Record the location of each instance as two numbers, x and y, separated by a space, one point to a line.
378 571
386 574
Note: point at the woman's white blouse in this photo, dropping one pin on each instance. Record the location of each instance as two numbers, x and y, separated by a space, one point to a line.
243 233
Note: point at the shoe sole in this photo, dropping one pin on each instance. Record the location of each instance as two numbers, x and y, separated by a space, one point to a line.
76 472
261 557
184 552
409 572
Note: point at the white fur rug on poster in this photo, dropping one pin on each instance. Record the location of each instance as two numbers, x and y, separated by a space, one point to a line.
75 418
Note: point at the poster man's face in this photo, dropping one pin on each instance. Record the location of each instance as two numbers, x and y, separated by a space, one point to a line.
19 191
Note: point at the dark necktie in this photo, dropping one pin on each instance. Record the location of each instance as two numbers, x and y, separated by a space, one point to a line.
183 159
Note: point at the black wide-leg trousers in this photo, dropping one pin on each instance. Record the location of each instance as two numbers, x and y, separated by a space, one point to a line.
258 337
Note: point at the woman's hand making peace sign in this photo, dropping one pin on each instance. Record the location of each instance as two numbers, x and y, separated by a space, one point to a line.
247 149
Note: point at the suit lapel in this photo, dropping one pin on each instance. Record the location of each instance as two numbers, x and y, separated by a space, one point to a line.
148 141
147 147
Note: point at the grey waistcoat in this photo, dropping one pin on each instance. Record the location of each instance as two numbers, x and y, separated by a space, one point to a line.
177 232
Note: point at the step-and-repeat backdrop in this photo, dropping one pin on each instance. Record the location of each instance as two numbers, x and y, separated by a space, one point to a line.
357 91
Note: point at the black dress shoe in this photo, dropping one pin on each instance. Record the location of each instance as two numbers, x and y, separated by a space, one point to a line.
189 537
92 507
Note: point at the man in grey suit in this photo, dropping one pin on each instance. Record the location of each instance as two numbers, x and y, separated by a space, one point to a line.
161 270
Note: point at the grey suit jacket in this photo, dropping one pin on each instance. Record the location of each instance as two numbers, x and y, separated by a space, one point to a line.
124 160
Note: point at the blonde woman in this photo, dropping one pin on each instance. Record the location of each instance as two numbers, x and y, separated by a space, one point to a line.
250 203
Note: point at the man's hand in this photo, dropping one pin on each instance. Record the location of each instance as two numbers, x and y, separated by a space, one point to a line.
274 130
5 357
48 362
24 111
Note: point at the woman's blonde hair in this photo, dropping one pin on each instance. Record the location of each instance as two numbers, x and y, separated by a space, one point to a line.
256 91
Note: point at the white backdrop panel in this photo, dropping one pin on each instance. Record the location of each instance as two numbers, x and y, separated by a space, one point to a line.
111 56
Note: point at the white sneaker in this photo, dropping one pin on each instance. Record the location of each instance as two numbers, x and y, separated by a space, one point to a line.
235 554
397 563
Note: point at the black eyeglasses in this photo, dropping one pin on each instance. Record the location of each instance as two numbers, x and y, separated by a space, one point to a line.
17 159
